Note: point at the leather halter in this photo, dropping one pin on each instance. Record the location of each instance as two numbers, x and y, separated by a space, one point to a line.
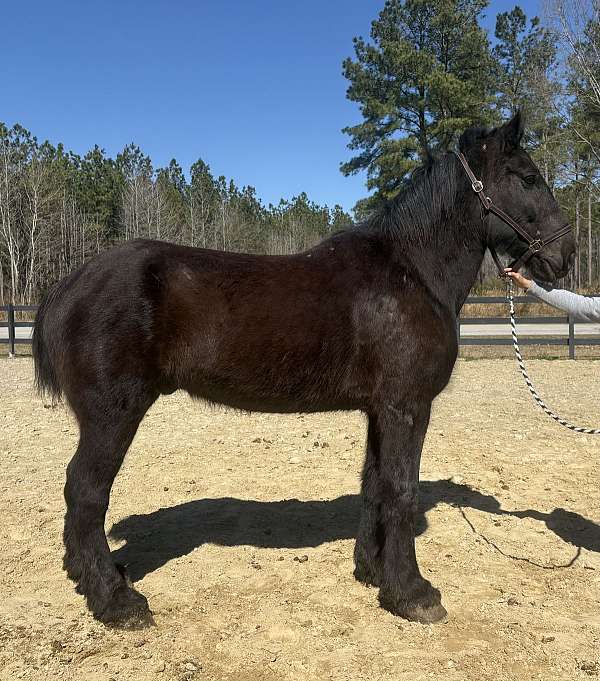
535 244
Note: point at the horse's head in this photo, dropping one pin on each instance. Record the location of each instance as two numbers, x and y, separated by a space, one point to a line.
515 185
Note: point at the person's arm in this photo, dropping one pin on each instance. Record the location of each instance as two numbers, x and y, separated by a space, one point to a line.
581 307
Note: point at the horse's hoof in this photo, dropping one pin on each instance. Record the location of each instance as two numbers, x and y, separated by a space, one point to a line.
127 609
424 605
425 615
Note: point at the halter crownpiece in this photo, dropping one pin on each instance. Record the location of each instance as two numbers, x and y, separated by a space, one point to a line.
535 244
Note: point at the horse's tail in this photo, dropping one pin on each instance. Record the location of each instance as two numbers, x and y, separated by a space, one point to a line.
44 344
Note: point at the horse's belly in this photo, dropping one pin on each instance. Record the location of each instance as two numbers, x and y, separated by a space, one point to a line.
272 403
270 376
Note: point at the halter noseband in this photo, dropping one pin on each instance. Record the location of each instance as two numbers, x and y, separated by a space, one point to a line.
535 244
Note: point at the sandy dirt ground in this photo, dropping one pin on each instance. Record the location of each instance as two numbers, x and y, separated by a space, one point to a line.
239 529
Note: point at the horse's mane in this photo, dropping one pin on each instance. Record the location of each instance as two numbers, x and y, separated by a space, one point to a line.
427 197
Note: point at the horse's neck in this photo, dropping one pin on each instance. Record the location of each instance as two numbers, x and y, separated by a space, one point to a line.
461 275
449 272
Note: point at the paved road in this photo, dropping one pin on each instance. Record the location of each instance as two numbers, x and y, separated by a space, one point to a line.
466 330
499 330
21 332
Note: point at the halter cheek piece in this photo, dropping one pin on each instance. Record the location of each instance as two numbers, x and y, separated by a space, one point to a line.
535 244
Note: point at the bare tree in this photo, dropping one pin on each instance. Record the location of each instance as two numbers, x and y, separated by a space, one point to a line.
577 22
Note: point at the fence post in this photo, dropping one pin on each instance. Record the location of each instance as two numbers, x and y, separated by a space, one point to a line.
571 338
11 330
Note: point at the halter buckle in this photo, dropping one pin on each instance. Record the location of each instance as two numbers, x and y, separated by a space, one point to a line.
536 246
477 186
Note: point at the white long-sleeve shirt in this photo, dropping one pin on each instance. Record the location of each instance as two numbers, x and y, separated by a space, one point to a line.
583 308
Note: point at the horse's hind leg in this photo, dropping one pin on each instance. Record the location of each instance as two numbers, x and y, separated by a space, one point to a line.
369 540
107 426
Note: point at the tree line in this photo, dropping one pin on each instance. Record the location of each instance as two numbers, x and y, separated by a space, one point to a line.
427 71
58 209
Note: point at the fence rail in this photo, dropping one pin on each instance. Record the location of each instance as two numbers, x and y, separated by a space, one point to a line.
568 339
13 325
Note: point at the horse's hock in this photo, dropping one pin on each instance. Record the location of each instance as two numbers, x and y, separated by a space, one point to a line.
240 529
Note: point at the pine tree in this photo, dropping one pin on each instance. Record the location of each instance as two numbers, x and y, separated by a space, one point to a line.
524 53
426 74
526 61
203 202
98 189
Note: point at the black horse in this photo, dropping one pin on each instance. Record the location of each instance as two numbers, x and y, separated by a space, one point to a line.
365 320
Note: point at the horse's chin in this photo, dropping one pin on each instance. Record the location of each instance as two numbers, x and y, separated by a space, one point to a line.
541 269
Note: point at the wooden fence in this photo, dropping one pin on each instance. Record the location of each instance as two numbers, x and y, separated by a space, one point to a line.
568 339
13 325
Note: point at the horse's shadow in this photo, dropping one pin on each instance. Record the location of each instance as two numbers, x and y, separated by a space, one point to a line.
156 538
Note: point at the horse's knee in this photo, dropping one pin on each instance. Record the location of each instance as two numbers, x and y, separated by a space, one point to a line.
86 494
399 500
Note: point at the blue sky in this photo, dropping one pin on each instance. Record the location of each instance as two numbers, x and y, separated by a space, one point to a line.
253 87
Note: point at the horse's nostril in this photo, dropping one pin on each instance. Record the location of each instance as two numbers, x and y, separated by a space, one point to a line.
571 259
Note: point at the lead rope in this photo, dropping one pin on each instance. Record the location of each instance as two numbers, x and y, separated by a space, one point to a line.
521 363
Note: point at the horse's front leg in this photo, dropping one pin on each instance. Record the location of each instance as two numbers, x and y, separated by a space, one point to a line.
398 432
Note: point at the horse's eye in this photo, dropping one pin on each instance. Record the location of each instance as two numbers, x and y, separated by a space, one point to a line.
529 180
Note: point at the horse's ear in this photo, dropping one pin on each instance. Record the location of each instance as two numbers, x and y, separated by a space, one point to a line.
511 133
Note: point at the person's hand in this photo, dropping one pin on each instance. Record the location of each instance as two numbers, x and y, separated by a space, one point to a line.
519 279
